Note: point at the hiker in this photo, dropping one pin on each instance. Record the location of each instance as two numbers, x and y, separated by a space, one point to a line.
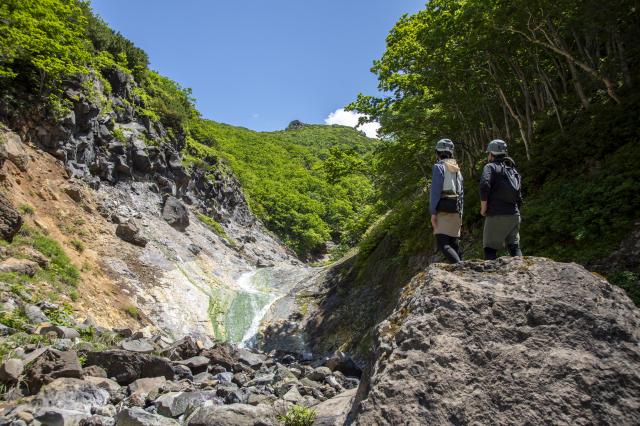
500 202
446 201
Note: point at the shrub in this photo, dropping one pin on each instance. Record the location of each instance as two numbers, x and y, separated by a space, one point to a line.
298 416
26 209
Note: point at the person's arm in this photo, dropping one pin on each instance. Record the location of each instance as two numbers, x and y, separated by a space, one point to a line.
485 188
437 180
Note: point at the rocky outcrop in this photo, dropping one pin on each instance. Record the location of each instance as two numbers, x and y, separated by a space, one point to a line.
515 341
10 219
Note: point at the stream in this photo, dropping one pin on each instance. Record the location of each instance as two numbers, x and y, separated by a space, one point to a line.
255 293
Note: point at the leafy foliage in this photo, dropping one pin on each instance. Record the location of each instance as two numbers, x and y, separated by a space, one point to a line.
298 416
309 185
557 80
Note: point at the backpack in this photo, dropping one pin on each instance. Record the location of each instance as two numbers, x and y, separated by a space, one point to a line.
510 183
451 188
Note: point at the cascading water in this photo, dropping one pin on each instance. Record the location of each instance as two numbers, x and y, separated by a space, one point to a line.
255 295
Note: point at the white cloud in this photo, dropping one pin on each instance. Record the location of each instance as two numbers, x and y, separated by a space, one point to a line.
350 118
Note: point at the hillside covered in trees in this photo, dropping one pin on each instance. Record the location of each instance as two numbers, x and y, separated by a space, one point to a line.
310 185
558 80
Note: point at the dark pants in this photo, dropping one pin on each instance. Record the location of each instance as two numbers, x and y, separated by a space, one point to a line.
449 247
492 254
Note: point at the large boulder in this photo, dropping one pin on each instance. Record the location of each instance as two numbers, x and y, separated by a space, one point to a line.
127 366
138 417
175 213
19 266
71 394
51 365
130 233
513 341
210 414
10 219
12 149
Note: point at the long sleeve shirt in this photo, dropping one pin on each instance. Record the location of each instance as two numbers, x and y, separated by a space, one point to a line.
492 190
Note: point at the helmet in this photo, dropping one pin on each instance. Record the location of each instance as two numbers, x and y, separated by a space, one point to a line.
444 145
497 147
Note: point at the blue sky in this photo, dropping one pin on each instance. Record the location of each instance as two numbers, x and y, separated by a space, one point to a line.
262 63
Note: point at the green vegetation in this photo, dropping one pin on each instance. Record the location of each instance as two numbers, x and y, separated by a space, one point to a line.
77 244
133 312
298 416
557 80
26 209
309 186
214 225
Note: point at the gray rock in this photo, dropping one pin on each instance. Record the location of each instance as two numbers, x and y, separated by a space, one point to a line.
130 233
138 417
104 383
60 417
11 148
293 395
51 365
147 385
19 266
71 394
513 341
283 373
127 366
224 377
10 219
203 377
252 359
174 404
319 374
11 370
60 331
137 345
265 379
233 415
334 411
175 213
97 420
94 371
35 314
197 364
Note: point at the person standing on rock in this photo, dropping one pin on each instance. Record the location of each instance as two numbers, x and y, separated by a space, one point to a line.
446 201
500 202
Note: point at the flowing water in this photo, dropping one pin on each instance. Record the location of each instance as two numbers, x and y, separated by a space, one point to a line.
256 292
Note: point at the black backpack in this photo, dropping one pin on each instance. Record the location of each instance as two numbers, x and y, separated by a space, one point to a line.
510 182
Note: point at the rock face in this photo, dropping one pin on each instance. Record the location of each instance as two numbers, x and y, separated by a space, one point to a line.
10 219
515 341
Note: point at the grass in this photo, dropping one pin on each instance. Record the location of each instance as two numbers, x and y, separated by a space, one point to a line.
119 135
77 244
216 227
26 209
132 311
60 276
